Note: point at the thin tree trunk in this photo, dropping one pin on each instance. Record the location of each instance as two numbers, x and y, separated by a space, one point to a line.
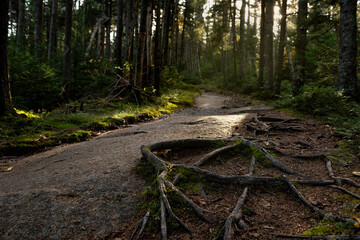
157 55
182 48
108 28
166 30
21 26
38 27
119 37
269 45
234 39
149 61
282 43
5 96
262 41
53 29
142 42
67 51
254 43
300 46
101 36
288 53
129 32
242 40
348 49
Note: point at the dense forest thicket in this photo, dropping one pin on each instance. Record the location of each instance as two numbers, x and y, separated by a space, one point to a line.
73 50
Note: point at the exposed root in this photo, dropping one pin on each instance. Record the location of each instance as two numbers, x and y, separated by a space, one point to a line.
236 214
163 220
144 221
198 210
345 191
275 161
214 154
235 219
311 206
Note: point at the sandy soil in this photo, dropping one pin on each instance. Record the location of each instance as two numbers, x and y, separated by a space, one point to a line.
88 190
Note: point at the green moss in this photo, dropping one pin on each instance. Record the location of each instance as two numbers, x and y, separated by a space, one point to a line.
248 152
29 132
327 227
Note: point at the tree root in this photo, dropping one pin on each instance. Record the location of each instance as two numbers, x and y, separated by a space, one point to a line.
235 219
236 214
275 161
214 154
144 221
312 207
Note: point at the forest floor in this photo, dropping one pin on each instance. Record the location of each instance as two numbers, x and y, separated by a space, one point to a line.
90 190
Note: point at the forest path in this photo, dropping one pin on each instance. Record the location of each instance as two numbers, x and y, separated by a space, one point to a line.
88 190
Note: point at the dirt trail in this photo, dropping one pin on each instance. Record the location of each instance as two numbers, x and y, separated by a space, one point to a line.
88 190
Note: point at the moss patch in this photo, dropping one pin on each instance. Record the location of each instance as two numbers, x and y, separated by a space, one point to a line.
29 132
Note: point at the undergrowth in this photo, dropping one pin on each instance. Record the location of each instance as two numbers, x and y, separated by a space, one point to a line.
29 132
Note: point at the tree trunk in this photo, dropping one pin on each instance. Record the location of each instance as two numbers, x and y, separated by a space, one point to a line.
38 27
157 55
233 25
5 97
254 43
108 8
67 52
262 41
149 61
242 40
268 45
131 7
182 47
21 26
300 46
53 29
142 41
119 37
288 53
348 49
166 30
282 43
101 36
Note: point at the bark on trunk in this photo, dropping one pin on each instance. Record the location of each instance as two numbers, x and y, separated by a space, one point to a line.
157 47
119 37
108 28
149 61
166 30
5 97
53 29
142 41
348 49
67 52
262 40
38 27
182 48
130 24
300 46
242 40
21 26
268 45
233 25
282 43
